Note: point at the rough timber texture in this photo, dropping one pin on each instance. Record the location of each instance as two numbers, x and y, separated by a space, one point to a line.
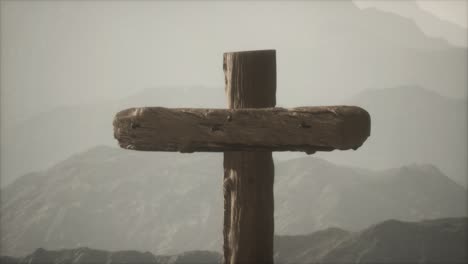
306 129
247 135
248 176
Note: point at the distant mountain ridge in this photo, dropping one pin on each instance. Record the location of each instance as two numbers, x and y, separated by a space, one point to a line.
431 241
427 22
116 199
327 195
93 256
68 130
391 241
432 119
411 124
338 51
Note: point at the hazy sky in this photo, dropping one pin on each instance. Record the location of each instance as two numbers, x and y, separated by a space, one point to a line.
63 53
57 53
72 52
454 11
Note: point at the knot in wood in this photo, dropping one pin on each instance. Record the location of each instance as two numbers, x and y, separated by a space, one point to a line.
227 184
134 125
304 125
216 127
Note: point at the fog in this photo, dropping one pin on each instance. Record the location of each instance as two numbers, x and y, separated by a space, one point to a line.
67 67
56 55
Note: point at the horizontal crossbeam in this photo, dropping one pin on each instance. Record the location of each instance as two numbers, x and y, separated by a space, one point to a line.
307 129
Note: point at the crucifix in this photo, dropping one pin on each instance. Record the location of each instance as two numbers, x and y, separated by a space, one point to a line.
247 132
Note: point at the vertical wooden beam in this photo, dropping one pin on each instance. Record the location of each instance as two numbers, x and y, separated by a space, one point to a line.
250 78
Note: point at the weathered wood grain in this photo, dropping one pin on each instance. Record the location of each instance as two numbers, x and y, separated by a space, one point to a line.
247 133
248 176
307 129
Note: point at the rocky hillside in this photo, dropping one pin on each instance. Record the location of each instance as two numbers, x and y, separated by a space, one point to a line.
92 256
434 241
113 199
313 194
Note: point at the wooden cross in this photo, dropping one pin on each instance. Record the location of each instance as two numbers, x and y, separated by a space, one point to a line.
247 132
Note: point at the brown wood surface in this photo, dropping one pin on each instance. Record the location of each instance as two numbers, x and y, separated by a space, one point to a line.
247 132
248 176
269 129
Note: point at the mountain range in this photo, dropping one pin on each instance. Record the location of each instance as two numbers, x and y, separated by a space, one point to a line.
49 137
328 53
114 199
427 22
65 189
411 125
430 241
391 241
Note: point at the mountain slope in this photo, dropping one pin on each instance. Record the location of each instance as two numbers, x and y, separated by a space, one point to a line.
106 190
436 241
391 241
115 199
427 22
308 248
432 241
92 256
67 130
312 194
409 125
